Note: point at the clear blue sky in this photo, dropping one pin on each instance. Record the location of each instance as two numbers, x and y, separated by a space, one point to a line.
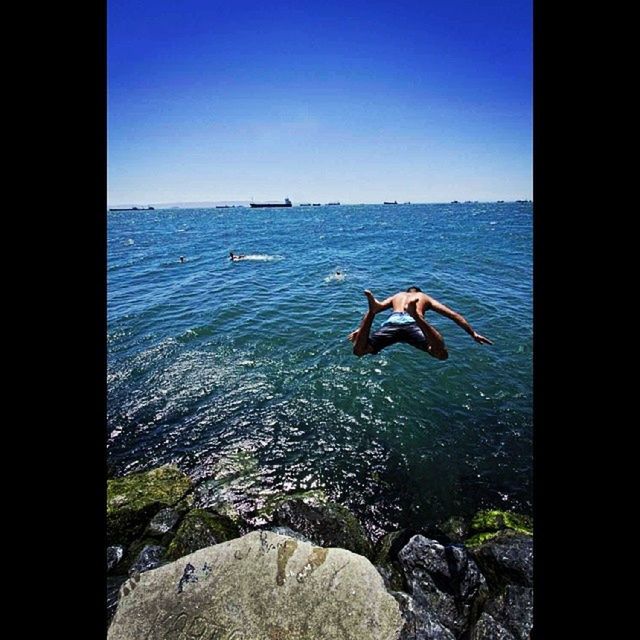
357 101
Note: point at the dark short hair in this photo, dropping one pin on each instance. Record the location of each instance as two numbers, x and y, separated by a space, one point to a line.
418 289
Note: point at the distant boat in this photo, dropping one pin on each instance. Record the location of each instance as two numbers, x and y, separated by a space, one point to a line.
260 205
305 204
316 204
406 203
134 209
500 201
454 202
223 206
332 204
394 202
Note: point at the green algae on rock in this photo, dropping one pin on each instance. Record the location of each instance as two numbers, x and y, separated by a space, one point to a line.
134 499
487 524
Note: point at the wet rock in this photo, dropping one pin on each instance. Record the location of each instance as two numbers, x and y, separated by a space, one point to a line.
419 622
134 499
445 584
163 522
328 525
150 557
512 610
200 529
261 586
489 629
114 555
506 559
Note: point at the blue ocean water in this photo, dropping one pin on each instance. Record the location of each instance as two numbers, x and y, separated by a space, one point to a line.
241 373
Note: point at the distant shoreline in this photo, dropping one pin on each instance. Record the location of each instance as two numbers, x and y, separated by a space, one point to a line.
243 204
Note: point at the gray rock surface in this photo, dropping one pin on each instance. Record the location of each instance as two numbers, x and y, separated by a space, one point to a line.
262 586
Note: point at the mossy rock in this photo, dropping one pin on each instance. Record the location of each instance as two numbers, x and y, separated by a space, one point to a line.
480 538
201 529
486 525
327 525
495 520
310 497
134 499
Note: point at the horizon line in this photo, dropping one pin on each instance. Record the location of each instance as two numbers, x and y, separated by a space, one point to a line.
205 203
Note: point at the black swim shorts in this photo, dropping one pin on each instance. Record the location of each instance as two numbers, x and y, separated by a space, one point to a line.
390 333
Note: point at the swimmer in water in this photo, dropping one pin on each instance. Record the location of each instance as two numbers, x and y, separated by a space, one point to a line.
407 324
235 257
181 258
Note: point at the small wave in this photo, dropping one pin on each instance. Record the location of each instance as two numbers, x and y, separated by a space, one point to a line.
259 257
130 241
336 277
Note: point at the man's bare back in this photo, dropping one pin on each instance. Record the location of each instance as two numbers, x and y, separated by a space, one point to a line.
413 303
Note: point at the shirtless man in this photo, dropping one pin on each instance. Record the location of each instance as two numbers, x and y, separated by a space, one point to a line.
407 324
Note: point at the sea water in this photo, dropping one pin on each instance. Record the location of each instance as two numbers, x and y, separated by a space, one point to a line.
241 372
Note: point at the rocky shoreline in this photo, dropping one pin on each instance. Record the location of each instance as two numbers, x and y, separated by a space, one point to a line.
182 567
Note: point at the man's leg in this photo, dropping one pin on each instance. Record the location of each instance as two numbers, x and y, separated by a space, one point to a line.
360 337
436 346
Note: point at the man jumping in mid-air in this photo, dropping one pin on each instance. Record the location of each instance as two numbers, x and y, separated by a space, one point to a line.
407 324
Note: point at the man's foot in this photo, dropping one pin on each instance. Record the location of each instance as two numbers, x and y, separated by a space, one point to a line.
353 336
410 307
374 305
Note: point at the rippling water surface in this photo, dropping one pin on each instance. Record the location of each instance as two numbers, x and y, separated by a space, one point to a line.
240 372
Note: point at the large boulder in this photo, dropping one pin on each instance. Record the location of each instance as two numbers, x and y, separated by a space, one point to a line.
327 524
200 529
446 586
262 586
134 499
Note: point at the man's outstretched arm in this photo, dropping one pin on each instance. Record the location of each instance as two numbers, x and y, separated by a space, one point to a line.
458 319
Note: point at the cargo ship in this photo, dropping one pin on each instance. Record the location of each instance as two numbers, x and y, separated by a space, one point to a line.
260 205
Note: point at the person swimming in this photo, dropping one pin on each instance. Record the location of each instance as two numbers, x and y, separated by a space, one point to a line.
182 258
235 257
